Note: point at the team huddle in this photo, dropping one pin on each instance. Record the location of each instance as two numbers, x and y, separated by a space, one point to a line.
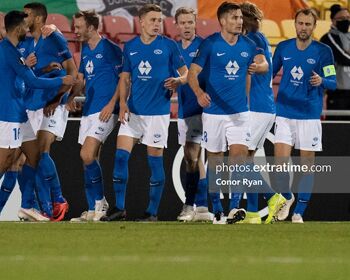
225 97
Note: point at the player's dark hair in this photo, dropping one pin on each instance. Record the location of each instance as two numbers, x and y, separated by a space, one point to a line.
149 8
185 11
225 8
252 16
38 9
91 18
14 19
307 11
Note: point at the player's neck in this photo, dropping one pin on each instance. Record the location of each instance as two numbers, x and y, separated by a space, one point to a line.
147 39
94 40
13 39
230 38
36 33
302 45
186 42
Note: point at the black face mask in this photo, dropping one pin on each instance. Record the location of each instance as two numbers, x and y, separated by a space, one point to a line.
343 25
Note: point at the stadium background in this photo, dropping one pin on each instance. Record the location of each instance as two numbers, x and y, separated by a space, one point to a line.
66 153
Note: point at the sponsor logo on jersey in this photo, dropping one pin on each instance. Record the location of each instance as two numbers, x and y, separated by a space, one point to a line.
89 68
232 67
145 67
297 73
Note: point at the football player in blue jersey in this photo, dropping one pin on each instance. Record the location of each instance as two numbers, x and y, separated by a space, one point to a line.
149 60
48 57
15 76
225 58
100 65
308 69
190 125
262 112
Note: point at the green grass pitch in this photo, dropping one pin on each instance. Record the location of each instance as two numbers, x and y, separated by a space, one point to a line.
174 251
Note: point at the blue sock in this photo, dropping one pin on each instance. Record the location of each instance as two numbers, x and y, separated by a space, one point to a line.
48 170
156 183
26 180
202 193
43 192
304 193
235 200
120 177
282 184
7 187
94 175
216 203
89 192
252 202
191 187
214 194
22 180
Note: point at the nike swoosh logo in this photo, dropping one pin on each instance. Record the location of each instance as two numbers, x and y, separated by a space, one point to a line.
98 133
286 58
132 53
84 57
220 54
313 145
51 125
156 141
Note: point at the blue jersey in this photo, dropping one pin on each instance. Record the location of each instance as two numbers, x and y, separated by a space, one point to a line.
296 98
101 68
188 105
261 97
13 74
51 49
149 66
226 68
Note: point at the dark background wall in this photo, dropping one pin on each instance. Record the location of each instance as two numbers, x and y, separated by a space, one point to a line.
332 207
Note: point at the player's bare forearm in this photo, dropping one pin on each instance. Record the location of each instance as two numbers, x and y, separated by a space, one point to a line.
124 85
192 79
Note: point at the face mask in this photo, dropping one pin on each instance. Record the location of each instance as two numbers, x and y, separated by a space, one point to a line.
343 25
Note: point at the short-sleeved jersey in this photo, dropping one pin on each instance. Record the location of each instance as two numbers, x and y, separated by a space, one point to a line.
188 105
149 66
101 68
225 67
53 48
13 74
261 97
296 98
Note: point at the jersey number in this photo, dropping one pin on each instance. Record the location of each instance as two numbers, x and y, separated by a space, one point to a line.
16 132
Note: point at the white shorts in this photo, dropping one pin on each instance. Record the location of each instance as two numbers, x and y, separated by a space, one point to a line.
222 131
91 126
260 126
56 124
28 132
150 130
302 134
190 129
10 135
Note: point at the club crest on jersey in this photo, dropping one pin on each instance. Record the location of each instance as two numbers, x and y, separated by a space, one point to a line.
192 54
99 56
244 54
158 51
311 61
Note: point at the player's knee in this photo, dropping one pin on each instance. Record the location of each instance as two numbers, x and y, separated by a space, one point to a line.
192 164
86 157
